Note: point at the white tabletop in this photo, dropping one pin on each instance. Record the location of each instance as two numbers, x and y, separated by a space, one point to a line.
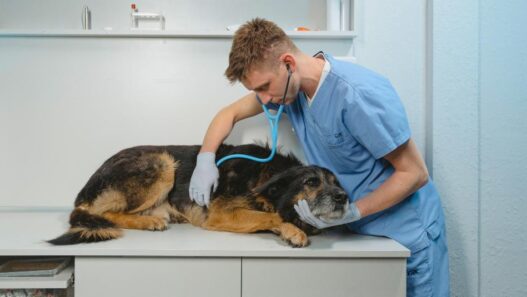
23 233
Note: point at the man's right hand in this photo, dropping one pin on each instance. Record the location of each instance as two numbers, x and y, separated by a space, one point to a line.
204 179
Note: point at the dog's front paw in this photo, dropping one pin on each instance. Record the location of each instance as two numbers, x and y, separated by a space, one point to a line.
157 224
294 236
299 240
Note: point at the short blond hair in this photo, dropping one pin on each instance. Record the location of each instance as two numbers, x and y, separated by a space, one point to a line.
257 42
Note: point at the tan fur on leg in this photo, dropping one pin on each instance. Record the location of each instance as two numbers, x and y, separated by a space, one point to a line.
292 234
132 221
241 220
249 221
157 193
166 212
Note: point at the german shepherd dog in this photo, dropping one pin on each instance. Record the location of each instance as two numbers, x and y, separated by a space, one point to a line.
146 187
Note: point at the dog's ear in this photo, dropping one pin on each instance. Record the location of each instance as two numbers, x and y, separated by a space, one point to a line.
272 189
275 186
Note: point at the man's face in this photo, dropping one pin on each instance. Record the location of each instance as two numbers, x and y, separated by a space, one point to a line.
270 84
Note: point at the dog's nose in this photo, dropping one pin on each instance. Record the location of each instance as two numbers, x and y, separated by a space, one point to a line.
340 198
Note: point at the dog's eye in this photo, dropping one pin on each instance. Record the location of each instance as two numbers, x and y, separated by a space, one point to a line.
312 182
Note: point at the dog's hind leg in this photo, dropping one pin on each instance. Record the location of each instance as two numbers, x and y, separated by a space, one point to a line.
134 221
154 219
168 213
147 207
119 195
142 198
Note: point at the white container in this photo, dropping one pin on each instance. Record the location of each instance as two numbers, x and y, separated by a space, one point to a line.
345 15
86 18
333 15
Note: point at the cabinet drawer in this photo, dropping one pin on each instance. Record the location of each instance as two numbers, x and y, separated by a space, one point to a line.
324 277
147 276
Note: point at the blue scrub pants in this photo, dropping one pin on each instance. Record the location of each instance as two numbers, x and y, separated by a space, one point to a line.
427 269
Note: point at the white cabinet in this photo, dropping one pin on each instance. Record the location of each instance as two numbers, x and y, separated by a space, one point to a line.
324 277
144 276
244 277
189 261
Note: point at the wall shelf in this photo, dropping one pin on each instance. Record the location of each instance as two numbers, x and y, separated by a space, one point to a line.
166 34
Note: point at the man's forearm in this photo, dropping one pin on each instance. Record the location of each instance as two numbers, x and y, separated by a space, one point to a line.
219 129
222 124
394 190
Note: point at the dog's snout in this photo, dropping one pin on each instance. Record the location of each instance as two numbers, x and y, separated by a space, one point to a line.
340 198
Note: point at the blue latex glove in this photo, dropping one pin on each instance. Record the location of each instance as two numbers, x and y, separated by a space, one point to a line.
352 214
204 178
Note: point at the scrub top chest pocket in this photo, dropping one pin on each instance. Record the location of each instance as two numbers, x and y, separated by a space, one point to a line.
335 139
331 135
344 152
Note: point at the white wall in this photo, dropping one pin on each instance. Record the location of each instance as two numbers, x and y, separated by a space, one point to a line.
456 135
479 142
392 40
69 103
180 14
503 147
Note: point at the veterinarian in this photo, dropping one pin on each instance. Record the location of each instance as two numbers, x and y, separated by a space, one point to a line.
351 121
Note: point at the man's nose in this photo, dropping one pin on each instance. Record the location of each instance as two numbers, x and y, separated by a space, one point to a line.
265 98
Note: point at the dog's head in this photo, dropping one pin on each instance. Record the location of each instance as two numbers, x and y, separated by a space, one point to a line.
318 186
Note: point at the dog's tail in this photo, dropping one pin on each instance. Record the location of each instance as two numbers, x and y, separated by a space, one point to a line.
86 227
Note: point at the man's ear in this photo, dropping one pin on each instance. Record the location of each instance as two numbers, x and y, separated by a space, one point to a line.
289 60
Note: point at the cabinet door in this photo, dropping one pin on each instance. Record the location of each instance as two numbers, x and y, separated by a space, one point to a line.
138 276
324 277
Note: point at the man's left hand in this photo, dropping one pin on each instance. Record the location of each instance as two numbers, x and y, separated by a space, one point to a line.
302 208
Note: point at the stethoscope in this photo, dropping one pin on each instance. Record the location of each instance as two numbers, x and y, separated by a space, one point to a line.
273 124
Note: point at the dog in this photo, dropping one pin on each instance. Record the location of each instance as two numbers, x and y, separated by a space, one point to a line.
146 188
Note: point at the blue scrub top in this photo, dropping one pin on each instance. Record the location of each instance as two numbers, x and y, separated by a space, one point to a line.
355 119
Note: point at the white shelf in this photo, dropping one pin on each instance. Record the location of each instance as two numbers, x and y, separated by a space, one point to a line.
59 281
165 34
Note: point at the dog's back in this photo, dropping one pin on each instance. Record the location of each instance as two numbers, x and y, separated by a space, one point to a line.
237 177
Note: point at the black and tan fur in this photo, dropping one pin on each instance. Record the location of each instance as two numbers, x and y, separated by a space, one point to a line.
146 188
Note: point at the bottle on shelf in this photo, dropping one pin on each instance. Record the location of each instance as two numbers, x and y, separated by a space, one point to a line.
133 19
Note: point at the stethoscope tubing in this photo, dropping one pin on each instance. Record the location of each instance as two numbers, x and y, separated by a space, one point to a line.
273 124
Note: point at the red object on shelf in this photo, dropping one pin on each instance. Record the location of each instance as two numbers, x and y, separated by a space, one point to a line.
301 28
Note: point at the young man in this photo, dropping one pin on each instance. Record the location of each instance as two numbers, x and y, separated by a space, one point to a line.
351 121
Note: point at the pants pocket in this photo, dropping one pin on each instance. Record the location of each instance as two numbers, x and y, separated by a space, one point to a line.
419 274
